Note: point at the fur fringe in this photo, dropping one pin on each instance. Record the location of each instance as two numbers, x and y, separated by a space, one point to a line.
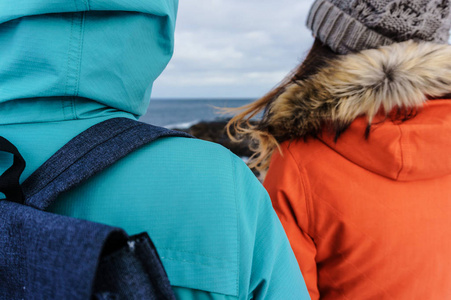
402 75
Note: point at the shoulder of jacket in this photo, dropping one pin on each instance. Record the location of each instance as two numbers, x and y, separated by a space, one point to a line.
303 152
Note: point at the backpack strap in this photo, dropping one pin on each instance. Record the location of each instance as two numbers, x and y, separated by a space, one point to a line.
87 154
50 256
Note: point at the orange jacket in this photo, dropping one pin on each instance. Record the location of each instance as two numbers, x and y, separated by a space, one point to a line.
370 219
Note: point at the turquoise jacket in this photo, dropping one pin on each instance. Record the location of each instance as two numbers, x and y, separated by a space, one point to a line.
67 65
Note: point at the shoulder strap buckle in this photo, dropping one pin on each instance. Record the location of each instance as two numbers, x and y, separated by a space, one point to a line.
9 180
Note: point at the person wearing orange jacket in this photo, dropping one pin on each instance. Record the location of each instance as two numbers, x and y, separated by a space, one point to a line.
356 144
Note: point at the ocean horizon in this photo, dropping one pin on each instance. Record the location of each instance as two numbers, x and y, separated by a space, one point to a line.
185 112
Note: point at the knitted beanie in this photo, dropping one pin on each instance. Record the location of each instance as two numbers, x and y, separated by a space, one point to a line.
353 25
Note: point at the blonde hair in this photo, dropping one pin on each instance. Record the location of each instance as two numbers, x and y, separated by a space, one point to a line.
265 138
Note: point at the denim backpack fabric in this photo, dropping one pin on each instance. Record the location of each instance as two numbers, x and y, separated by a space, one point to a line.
49 256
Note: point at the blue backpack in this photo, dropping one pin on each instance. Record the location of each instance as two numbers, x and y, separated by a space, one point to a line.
49 256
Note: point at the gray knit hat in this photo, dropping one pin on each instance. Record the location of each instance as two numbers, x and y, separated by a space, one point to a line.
354 25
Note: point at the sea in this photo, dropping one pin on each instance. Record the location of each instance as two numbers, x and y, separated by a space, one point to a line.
183 113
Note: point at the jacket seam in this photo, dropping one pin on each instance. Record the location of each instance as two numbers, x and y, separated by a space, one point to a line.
80 55
73 108
187 261
76 5
80 52
63 109
196 253
355 227
68 53
307 195
86 2
67 106
238 238
401 152
74 54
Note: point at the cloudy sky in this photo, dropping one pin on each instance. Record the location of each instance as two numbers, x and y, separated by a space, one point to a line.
234 48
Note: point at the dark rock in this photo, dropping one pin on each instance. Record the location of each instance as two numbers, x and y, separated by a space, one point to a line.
215 132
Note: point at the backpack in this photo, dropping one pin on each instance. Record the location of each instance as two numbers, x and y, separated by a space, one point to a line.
49 256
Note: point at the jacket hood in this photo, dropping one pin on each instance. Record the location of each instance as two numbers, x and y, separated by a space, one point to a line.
108 51
359 89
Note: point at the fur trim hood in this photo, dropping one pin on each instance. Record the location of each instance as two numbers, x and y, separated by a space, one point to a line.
401 75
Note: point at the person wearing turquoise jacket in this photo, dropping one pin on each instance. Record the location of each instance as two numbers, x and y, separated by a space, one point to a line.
67 65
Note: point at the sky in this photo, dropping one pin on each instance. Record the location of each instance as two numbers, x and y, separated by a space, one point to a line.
234 48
